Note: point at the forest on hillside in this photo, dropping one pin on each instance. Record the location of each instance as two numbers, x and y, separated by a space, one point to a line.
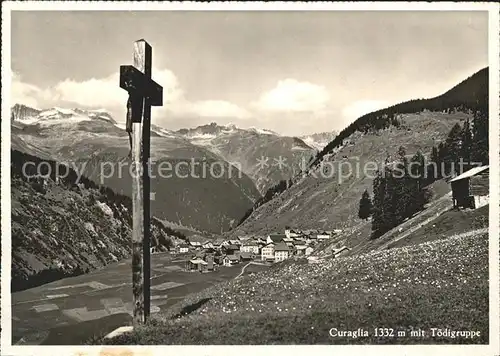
471 95
400 189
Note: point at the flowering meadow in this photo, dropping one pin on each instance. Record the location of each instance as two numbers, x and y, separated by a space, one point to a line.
441 284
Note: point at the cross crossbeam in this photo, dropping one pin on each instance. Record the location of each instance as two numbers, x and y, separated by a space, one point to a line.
137 83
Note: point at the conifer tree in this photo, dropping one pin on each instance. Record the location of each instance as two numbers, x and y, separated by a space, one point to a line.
453 146
466 149
378 204
433 169
365 206
480 144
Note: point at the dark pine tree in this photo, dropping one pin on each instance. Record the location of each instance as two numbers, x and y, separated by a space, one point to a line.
466 149
390 200
378 204
480 144
365 206
433 167
454 146
443 154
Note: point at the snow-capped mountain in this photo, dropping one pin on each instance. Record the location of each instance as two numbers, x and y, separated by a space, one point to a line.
319 140
29 116
98 146
263 155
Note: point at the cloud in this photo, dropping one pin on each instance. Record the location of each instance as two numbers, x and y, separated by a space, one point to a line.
362 107
294 96
105 92
25 93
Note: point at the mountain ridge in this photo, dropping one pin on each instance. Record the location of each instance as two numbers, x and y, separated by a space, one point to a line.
325 196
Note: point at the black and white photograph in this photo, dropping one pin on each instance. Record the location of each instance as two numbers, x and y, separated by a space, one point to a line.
210 174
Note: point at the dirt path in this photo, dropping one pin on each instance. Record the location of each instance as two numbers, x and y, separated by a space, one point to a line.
245 266
440 206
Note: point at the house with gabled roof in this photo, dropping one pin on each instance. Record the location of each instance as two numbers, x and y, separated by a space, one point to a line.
230 260
207 245
182 248
471 189
290 233
267 252
247 256
300 249
250 246
195 244
231 249
281 252
198 264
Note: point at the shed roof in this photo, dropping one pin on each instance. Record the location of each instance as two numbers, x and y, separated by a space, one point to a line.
232 257
470 173
198 261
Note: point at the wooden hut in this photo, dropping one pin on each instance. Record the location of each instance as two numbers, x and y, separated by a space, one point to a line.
471 189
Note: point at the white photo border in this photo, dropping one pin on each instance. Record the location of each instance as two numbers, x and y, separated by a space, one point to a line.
456 350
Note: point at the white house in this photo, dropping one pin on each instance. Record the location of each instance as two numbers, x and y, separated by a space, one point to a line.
267 252
195 244
322 237
230 260
301 249
207 245
218 243
309 250
183 248
290 233
281 252
251 247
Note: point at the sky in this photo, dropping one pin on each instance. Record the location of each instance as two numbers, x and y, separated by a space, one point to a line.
295 73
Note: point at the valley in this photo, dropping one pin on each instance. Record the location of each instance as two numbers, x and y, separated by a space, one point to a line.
330 268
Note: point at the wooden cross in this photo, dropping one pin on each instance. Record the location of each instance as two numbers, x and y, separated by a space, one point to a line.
143 93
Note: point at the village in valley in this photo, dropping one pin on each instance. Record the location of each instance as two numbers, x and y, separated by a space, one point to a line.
208 255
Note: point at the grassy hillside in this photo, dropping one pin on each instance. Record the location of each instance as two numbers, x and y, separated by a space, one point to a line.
441 284
469 95
326 195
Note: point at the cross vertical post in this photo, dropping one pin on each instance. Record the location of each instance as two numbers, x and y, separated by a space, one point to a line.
143 93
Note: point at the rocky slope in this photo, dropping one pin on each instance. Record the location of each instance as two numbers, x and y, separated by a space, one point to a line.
69 227
326 195
265 156
97 147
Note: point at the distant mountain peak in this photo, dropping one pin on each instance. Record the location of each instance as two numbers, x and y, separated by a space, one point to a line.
319 140
28 115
